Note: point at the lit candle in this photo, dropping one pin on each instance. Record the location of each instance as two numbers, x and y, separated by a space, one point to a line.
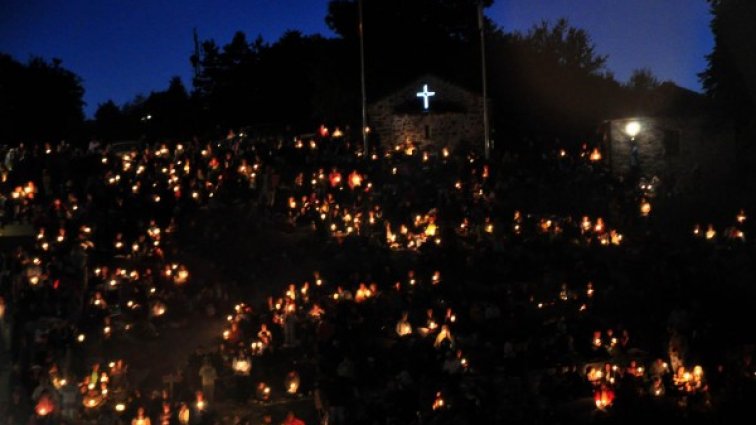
292 382
438 403
710 232
645 208
741 217
595 155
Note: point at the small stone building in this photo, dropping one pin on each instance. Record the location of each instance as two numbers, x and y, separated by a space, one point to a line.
678 150
428 111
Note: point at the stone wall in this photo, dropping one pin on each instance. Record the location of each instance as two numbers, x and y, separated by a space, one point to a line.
455 115
677 150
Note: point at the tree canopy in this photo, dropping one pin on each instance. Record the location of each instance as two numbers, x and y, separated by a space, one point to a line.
730 79
39 100
300 81
547 81
404 39
563 45
163 114
643 80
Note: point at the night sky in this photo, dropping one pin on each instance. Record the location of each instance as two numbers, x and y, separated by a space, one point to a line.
120 49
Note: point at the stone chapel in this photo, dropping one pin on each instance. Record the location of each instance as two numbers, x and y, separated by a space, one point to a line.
428 112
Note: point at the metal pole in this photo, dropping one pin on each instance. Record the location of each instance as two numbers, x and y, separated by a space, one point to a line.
486 129
362 81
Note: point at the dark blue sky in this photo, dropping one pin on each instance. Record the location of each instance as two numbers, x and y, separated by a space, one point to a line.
122 48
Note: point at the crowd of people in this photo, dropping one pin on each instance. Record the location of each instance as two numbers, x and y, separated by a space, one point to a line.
532 287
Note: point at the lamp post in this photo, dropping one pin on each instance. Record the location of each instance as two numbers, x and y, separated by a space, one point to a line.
632 129
365 152
486 130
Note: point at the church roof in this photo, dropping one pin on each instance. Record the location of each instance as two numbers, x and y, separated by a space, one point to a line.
418 82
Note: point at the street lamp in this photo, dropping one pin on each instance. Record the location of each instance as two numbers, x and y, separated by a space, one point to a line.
632 129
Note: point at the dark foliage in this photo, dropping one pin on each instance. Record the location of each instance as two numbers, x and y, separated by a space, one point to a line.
551 75
730 79
39 101
164 114
546 82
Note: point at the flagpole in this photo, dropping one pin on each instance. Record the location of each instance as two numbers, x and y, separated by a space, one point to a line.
362 81
486 125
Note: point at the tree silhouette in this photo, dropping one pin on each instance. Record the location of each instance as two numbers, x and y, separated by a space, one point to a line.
169 112
730 79
109 121
39 101
563 45
552 80
295 82
552 73
404 39
642 80
172 114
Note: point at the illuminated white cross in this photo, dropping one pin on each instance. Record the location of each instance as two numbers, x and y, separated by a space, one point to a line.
425 94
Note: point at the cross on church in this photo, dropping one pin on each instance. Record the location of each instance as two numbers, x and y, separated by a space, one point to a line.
425 94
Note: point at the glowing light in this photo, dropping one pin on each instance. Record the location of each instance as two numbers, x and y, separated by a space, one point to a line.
741 217
645 208
698 372
438 403
604 398
44 406
425 94
242 366
158 309
595 155
292 382
334 178
599 227
355 179
710 232
633 128
263 391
